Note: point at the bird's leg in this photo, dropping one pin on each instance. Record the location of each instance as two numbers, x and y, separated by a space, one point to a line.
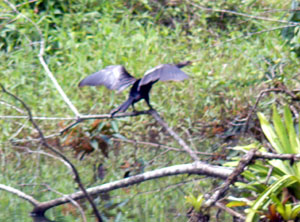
113 112
148 101
134 110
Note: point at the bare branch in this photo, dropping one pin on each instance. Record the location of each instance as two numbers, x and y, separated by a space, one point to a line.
44 153
38 117
191 168
12 106
20 194
173 134
82 118
271 156
244 162
104 116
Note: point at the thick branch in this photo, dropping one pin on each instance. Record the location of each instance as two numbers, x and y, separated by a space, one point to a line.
191 168
291 157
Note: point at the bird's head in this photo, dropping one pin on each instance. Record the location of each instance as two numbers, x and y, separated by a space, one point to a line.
183 64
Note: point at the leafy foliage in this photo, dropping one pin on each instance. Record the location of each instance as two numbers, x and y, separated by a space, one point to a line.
269 185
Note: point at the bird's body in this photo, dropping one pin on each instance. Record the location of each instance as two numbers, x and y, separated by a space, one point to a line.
117 78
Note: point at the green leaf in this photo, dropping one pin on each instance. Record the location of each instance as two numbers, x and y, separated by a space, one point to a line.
269 133
291 130
295 211
281 131
236 204
195 202
275 188
114 125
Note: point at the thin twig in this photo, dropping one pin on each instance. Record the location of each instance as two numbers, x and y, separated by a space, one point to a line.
38 117
18 131
11 106
19 193
269 174
230 211
104 116
43 153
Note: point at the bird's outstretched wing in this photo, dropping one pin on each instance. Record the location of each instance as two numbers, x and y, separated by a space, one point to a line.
114 77
164 72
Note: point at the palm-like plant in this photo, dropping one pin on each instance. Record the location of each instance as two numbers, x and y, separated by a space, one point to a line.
282 136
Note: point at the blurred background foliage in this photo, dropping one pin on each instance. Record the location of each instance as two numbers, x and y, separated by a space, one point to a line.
84 36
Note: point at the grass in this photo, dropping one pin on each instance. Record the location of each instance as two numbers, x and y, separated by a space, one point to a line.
83 37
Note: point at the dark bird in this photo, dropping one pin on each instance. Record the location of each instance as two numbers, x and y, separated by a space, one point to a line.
116 77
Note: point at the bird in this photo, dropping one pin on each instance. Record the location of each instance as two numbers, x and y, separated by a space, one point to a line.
116 77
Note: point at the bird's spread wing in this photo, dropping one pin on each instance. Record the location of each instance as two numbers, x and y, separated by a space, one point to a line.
114 77
164 72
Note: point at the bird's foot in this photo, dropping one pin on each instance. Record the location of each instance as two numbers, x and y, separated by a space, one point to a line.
113 113
134 110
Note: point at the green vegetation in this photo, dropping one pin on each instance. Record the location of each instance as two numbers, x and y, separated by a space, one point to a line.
84 36
283 181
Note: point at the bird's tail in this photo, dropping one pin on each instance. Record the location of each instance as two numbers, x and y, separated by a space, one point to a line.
123 107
